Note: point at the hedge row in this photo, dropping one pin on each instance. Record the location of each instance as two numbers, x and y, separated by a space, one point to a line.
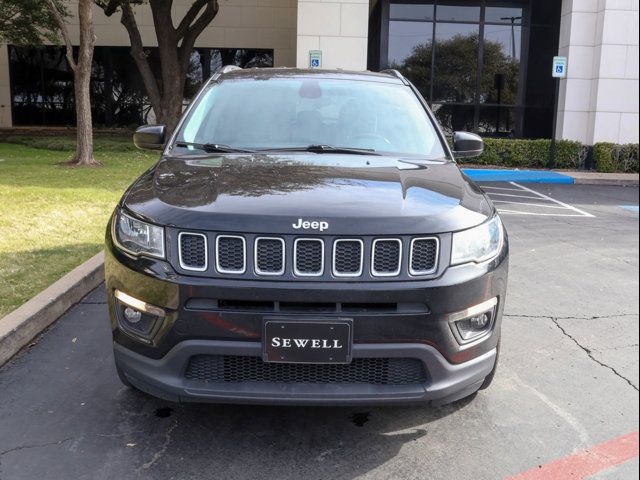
530 153
610 157
520 153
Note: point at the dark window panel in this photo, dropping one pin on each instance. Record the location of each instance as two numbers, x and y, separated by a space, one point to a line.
497 121
454 118
411 11
410 52
456 63
42 83
501 64
507 15
457 12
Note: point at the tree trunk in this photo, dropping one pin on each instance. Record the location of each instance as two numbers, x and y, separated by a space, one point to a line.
81 78
82 84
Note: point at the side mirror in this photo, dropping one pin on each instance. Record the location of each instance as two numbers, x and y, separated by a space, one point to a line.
150 137
467 145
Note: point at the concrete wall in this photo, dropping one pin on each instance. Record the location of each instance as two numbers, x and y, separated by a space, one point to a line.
599 99
339 28
239 24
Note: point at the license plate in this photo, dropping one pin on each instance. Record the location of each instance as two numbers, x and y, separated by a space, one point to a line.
303 341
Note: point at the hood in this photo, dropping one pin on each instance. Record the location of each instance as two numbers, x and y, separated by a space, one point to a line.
354 194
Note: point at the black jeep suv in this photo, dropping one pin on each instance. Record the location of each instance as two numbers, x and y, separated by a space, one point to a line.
308 238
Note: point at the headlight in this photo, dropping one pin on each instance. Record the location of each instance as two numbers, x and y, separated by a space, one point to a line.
137 237
478 244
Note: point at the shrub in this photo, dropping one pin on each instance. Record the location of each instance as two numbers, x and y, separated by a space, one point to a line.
610 157
520 153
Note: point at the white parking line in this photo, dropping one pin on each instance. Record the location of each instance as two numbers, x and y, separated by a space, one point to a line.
566 205
514 202
532 204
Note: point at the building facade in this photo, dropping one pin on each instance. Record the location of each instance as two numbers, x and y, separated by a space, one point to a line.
483 65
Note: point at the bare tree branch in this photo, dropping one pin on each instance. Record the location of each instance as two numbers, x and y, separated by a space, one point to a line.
65 33
194 31
139 56
190 16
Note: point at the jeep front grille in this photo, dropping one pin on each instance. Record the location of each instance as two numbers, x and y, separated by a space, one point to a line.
290 257
193 251
347 258
308 257
269 256
387 255
240 369
424 256
231 256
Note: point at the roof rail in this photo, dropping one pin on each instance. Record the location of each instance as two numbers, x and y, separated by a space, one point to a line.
395 73
228 68
221 71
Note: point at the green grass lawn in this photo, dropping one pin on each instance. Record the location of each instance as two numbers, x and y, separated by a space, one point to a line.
53 217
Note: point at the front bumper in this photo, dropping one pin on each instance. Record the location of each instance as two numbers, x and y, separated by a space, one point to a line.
164 378
158 367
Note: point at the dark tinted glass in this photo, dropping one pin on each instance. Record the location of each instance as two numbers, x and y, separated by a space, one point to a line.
457 13
503 15
410 52
42 82
409 11
501 69
497 121
454 118
456 62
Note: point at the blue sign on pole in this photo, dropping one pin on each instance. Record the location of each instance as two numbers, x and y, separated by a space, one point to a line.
559 67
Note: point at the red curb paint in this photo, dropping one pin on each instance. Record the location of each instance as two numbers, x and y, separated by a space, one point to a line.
586 463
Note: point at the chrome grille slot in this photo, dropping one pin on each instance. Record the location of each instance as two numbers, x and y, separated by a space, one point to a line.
424 256
347 258
192 251
269 256
308 257
231 254
387 257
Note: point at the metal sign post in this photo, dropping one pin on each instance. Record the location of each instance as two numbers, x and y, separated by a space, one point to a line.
558 72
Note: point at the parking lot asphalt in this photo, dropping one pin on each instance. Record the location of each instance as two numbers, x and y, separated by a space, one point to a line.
567 382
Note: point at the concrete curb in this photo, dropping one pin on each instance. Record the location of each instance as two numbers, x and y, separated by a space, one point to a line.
615 179
22 325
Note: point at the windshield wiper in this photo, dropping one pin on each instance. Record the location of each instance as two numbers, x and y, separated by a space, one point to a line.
214 147
324 149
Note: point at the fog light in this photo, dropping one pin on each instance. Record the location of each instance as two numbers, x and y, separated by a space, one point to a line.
473 323
137 318
132 316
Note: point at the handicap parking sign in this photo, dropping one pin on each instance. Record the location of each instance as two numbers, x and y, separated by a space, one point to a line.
315 58
559 67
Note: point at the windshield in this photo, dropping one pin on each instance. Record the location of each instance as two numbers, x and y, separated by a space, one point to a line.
295 113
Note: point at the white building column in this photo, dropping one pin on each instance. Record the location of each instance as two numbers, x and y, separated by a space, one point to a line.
338 28
599 98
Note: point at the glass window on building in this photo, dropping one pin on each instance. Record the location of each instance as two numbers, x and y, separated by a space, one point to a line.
470 59
42 82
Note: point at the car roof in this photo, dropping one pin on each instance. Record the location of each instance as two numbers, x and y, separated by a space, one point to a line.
387 76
